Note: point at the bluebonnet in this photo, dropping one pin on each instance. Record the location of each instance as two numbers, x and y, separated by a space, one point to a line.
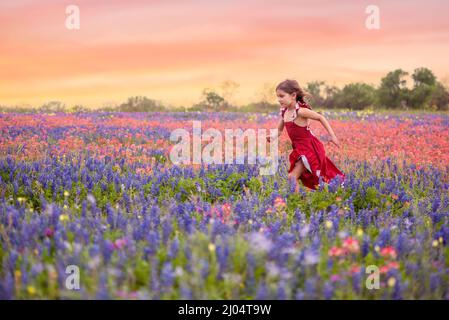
152 243
356 281
167 275
102 289
309 287
186 292
174 248
365 246
281 294
397 290
222 255
166 230
204 271
188 255
154 279
401 244
434 281
384 237
328 290
250 279
107 250
7 287
262 291
299 295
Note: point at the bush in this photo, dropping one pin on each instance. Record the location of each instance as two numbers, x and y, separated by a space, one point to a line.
356 96
141 104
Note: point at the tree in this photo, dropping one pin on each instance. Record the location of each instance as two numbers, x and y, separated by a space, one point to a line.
424 85
392 90
440 97
141 104
228 89
267 93
79 108
212 101
53 106
314 89
423 76
331 94
260 107
357 96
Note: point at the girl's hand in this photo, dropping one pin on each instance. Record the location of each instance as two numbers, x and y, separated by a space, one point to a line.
335 141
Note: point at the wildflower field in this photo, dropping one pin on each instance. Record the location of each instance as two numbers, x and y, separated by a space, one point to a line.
97 194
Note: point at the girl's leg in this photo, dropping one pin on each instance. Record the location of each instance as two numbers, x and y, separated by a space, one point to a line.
294 175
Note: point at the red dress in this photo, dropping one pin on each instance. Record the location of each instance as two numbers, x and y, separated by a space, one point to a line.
310 150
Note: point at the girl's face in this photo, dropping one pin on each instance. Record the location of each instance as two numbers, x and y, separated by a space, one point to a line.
285 99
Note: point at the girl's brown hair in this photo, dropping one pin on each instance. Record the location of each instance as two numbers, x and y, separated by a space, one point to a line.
292 86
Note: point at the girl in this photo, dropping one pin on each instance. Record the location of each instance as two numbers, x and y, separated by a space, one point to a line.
308 160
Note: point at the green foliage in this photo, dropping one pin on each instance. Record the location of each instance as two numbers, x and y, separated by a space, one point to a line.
321 200
356 96
392 89
141 104
314 89
369 198
440 98
254 185
392 93
212 101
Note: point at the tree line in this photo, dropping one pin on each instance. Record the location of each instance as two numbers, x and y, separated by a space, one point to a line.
393 92
427 93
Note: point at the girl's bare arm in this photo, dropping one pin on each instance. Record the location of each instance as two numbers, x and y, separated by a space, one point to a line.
306 113
279 131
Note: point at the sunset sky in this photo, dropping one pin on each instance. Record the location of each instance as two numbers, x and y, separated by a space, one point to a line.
170 50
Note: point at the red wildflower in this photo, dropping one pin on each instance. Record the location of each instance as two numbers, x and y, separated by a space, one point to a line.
355 268
351 245
388 252
279 203
120 243
389 266
335 252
